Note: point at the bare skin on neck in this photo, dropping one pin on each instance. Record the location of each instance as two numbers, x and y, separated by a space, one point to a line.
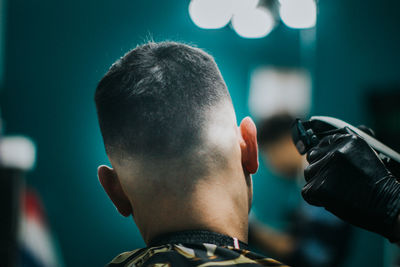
219 202
210 207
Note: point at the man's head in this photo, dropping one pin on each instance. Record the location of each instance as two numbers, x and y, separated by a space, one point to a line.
274 138
170 132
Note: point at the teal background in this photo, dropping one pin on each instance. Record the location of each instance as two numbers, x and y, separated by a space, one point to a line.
57 51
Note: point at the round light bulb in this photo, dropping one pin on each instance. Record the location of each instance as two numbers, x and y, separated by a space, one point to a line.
241 5
298 14
253 23
211 14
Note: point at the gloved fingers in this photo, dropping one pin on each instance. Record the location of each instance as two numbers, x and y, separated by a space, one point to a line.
315 167
320 150
327 144
314 154
309 193
394 167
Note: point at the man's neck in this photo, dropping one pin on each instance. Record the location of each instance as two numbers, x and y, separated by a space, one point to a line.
209 208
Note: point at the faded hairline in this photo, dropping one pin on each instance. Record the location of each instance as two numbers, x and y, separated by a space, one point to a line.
183 171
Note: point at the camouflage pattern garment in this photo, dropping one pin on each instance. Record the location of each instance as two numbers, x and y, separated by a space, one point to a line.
193 248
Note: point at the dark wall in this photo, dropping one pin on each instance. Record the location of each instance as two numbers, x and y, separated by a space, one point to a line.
3 14
56 52
358 50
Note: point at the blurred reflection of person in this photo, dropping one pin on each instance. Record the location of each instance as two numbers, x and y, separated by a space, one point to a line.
314 237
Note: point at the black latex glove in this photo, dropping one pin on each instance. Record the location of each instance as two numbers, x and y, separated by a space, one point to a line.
390 164
347 178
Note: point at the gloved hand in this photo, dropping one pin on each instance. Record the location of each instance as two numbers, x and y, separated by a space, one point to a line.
390 164
348 178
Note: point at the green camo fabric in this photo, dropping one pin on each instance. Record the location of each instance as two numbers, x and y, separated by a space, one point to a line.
199 255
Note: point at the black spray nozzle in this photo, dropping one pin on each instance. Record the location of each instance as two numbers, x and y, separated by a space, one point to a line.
303 136
306 135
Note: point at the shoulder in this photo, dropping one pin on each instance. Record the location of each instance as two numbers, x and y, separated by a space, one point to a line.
141 256
125 257
191 255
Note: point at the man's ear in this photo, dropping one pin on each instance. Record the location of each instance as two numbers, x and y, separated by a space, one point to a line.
111 184
248 145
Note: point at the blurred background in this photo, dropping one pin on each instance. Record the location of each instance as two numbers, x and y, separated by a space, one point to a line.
331 57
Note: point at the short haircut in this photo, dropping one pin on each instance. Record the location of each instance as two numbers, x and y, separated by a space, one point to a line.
152 103
274 128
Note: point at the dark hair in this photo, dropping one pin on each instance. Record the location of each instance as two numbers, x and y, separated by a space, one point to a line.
273 128
152 101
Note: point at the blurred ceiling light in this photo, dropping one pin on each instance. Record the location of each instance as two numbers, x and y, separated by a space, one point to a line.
240 5
253 23
298 14
211 14
17 152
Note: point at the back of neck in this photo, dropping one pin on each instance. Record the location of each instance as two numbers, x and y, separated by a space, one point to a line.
211 208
